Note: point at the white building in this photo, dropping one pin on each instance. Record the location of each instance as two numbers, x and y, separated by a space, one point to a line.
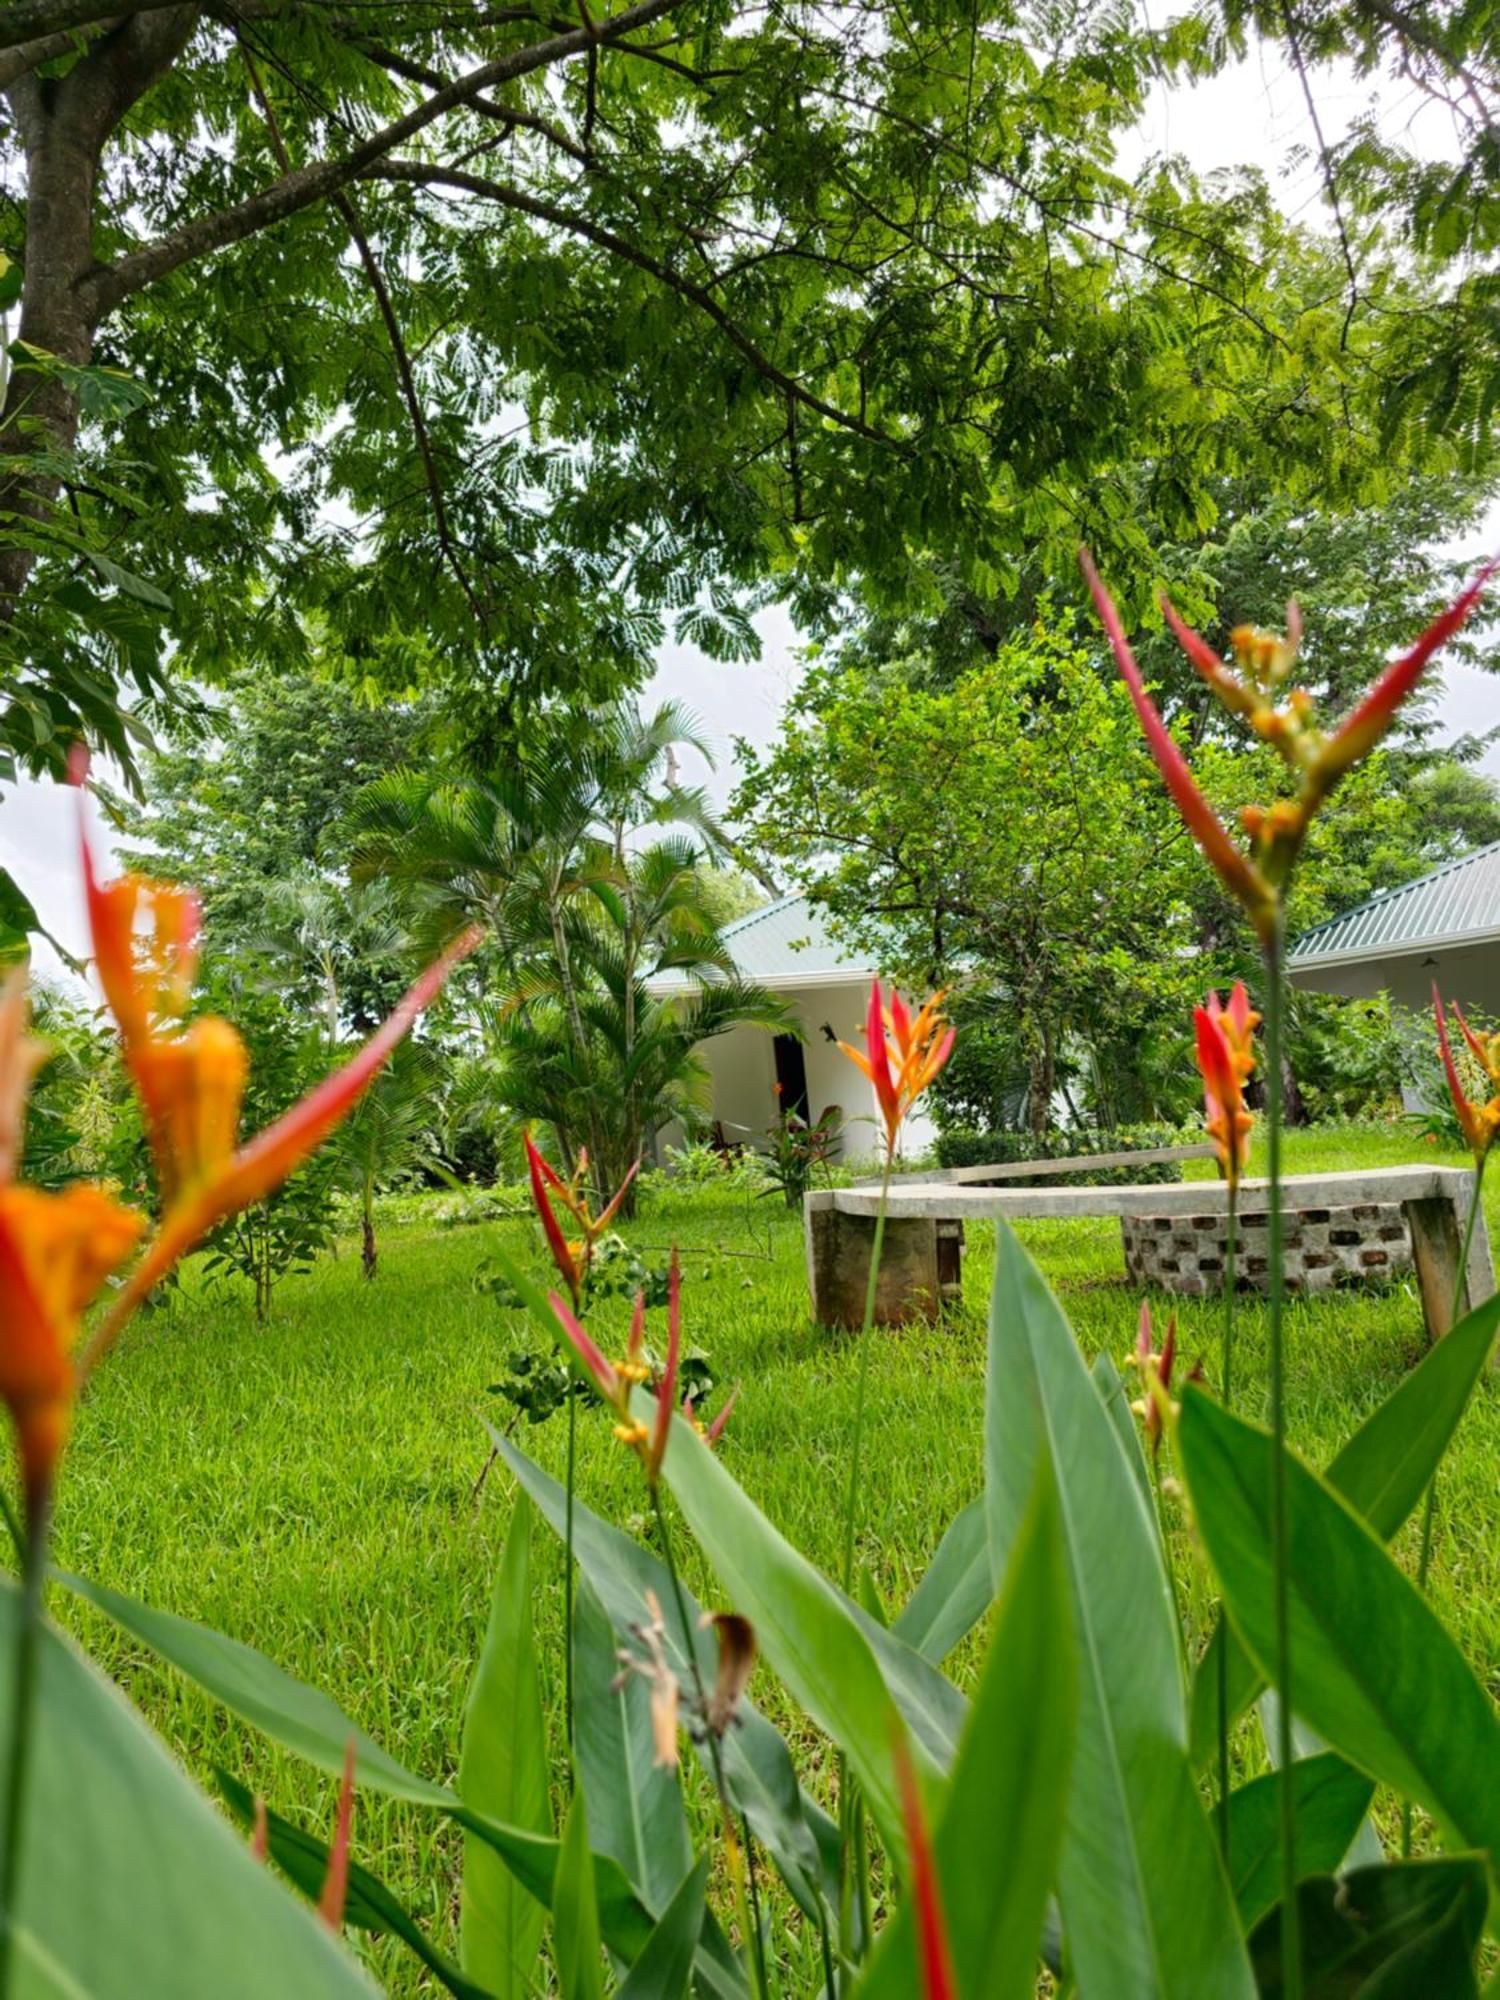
1445 927
786 948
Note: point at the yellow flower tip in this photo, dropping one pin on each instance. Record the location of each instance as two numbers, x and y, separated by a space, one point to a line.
632 1372
635 1435
1266 656
1286 820
1253 821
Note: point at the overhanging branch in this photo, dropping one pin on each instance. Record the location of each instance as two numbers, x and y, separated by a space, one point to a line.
295 191
417 173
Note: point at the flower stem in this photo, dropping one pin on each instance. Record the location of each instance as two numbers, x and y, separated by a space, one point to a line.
851 1503
567 1577
1226 1389
1291 1924
742 1870
1429 1508
18 1761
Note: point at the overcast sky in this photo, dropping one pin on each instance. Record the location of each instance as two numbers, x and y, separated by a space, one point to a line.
1253 113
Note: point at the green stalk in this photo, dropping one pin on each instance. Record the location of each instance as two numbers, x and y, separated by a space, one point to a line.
567 1579
18 1762
848 1805
1226 1386
746 1908
1291 1924
851 1502
1429 1508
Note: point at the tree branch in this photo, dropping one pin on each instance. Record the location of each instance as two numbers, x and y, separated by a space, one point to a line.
417 173
20 58
25 20
300 189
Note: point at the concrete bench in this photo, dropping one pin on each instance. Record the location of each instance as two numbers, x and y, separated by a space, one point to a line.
920 1266
1071 1163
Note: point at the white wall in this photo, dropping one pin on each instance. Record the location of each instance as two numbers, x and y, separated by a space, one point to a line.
742 1067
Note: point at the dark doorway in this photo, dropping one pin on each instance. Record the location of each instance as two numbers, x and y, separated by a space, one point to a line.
791 1075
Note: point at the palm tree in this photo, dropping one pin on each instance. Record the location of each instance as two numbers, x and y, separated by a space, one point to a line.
542 855
391 1130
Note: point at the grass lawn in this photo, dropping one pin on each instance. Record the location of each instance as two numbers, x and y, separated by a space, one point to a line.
307 1485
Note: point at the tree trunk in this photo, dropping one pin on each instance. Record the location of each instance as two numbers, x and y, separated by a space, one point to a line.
369 1257
64 123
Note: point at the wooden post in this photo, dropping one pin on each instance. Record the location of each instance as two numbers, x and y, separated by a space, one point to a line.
838 1265
1436 1226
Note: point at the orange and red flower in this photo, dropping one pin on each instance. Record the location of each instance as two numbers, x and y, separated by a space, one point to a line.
1255 688
572 1257
1480 1123
57 1250
904 1054
1226 1057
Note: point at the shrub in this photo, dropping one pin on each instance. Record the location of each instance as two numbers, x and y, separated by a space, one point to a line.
962 1148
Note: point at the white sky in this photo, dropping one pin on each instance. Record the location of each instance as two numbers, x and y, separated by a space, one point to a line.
1254 112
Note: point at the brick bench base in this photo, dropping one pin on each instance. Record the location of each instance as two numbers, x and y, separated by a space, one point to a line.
1369 1243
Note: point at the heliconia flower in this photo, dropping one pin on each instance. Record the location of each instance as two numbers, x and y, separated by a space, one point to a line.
1282 718
666 1393
903 1054
1155 1371
716 1429
572 1258
654 1668
336 1881
1478 1123
221 1184
56 1250
602 1372
1240 877
1227 1121
1485 1049
934 1954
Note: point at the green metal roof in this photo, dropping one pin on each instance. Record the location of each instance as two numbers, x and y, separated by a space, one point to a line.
1458 903
784 944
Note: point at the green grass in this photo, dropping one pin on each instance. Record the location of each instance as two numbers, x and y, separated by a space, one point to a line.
307 1485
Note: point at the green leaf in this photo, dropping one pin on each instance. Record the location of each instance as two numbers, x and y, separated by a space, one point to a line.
575 1914
369 1904
502 1772
758 1769
17 919
637 1813
131 1882
956 1591
1011 1773
1145 1906
1403 1931
254 1688
821 1644
309 1723
1382 1472
1373 1669
664 1968
1332 1799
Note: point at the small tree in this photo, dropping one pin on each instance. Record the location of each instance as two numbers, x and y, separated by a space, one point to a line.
390 1134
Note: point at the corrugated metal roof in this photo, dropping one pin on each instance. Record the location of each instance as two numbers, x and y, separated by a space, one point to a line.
1459 902
785 943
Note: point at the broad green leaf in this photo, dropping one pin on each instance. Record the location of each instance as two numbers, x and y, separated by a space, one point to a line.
575 1914
820 1644
1373 1669
867 1596
1010 1774
131 1882
664 1968
309 1723
956 1591
302 1719
1403 1931
1365 1849
1332 1800
502 1772
1145 1905
1382 1472
635 1810
762 1781
369 1905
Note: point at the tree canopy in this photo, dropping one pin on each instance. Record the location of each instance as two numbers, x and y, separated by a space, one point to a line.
480 346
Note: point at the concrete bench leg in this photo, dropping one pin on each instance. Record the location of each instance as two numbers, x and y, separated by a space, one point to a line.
838 1266
1436 1240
